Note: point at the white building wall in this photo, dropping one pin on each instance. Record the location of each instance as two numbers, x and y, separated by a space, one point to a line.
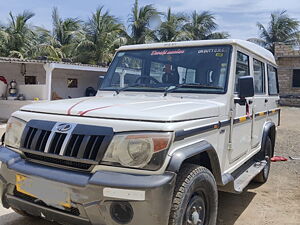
85 79
12 71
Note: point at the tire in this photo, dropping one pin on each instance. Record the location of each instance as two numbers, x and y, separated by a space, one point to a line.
263 176
195 200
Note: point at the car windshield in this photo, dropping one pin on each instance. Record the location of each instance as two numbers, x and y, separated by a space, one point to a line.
201 69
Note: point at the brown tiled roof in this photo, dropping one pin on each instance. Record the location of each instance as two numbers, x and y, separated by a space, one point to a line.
37 61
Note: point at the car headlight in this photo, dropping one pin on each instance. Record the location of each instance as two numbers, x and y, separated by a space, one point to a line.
147 150
14 130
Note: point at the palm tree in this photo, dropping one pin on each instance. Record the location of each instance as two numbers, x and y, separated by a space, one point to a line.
4 36
17 37
171 28
64 31
61 42
46 46
102 32
140 20
281 28
202 27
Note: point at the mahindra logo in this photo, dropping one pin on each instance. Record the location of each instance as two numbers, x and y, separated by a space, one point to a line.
64 127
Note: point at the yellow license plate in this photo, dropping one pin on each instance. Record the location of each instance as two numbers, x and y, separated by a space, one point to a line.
43 190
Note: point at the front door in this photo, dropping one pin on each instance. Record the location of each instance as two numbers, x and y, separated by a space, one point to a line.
242 127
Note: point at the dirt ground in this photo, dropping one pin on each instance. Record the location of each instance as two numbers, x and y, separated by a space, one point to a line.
276 202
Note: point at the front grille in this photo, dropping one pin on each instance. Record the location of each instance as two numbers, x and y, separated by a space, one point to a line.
63 162
72 210
43 141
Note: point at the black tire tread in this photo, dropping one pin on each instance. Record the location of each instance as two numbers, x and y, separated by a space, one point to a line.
260 178
185 176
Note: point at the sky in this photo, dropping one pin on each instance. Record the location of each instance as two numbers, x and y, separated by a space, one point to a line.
238 17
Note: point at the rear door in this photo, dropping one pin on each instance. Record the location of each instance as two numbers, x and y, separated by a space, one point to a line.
259 114
273 98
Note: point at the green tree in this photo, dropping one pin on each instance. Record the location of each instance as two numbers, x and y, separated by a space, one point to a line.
203 26
171 29
16 39
140 20
65 30
102 33
281 28
62 41
4 36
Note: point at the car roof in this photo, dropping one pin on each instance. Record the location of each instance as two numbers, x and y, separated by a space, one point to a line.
254 48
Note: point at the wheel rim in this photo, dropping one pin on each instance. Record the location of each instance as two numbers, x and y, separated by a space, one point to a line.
196 211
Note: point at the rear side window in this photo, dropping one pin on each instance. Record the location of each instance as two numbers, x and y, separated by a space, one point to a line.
259 77
273 80
242 67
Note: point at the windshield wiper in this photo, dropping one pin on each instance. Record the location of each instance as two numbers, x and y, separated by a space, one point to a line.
174 88
129 86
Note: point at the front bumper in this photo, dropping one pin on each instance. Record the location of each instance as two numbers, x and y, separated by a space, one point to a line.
89 203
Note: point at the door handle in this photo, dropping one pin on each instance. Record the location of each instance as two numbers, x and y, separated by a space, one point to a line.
250 102
266 100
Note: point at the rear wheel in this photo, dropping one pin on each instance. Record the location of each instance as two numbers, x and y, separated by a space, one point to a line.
263 176
195 198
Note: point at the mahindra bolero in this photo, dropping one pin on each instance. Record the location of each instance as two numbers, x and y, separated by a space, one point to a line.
171 124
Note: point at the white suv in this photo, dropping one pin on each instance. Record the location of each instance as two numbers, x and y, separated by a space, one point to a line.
172 123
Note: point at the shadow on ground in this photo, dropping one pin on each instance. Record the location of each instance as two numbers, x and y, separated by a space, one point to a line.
231 206
15 219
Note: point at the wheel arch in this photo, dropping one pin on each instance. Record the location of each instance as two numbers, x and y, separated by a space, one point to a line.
269 131
201 153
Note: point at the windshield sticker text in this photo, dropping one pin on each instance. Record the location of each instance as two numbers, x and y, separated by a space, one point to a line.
211 50
167 52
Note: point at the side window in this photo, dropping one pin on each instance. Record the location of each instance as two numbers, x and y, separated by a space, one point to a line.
259 77
242 67
272 80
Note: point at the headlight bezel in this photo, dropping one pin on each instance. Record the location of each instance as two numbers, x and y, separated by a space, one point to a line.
153 163
14 131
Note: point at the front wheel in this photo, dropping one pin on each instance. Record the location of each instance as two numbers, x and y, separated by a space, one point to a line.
195 200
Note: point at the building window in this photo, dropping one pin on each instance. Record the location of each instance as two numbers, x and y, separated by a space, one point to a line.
296 78
30 80
242 67
72 83
273 80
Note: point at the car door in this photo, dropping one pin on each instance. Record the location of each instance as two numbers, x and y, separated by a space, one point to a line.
259 102
273 97
241 130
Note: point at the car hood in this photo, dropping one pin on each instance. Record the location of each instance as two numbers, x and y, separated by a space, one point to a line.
138 107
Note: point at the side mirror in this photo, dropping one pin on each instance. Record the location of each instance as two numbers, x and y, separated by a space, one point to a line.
245 87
